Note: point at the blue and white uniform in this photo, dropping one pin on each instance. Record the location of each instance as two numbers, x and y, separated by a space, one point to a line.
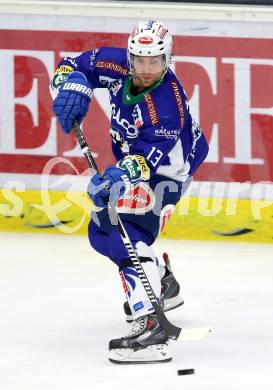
157 125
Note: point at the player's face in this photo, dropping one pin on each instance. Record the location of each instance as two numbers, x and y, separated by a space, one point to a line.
147 70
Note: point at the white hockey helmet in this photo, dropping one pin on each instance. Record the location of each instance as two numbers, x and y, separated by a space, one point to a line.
150 38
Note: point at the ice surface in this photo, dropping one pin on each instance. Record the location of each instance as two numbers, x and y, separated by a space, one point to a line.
60 304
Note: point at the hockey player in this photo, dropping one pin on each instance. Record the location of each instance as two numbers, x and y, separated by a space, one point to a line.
157 146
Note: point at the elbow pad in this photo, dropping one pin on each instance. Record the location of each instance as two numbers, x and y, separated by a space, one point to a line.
60 76
136 168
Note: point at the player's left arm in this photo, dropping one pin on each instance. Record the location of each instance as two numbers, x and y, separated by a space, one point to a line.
154 143
147 153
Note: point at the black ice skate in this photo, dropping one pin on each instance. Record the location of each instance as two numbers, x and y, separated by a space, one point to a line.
170 289
146 343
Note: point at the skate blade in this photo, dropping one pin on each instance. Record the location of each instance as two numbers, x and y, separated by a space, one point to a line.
152 354
194 334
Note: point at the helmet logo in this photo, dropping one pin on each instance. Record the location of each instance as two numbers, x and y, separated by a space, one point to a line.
149 24
161 32
145 40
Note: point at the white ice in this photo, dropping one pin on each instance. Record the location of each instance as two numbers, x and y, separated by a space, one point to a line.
60 304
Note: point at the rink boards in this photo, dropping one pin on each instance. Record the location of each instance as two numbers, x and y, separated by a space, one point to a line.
58 212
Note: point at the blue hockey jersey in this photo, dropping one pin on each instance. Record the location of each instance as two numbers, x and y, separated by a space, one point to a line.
156 123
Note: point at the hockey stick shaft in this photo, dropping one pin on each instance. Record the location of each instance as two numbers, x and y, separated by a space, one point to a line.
173 331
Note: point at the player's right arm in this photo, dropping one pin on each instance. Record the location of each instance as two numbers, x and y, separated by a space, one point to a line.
98 66
75 78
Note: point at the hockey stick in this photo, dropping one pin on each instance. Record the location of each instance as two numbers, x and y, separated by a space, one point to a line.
173 331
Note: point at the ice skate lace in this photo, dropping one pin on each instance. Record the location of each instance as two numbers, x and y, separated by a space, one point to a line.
137 327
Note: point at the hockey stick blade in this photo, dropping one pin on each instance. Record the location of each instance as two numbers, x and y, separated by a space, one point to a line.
180 334
194 334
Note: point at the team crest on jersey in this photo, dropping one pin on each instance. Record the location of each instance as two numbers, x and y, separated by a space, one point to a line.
137 116
139 200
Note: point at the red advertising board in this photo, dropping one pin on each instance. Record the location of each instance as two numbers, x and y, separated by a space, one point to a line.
229 82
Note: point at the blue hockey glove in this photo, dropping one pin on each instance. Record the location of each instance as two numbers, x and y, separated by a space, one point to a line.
73 100
109 187
117 180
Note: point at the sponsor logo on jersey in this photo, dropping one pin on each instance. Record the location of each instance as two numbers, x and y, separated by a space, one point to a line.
167 133
137 116
112 66
136 166
131 130
64 69
131 168
61 75
145 40
151 109
179 102
142 165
